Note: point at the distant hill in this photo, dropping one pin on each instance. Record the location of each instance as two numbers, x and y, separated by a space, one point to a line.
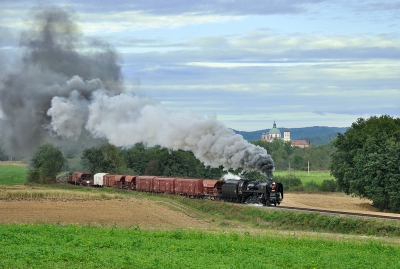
318 135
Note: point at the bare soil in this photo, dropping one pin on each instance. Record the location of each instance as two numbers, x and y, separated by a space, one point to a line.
148 213
132 212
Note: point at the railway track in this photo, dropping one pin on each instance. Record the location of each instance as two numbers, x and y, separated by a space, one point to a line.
365 215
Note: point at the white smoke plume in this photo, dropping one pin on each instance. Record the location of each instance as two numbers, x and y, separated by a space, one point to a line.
125 120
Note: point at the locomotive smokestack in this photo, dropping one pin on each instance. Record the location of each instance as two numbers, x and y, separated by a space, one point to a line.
62 95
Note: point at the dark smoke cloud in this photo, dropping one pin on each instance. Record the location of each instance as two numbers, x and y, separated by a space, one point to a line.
54 50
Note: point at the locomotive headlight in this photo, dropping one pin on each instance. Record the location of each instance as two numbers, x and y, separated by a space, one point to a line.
87 182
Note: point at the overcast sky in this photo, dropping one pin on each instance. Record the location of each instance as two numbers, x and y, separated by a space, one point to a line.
301 63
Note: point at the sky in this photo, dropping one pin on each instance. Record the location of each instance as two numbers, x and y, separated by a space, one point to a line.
247 63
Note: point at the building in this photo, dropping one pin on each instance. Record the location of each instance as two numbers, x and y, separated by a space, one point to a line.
275 133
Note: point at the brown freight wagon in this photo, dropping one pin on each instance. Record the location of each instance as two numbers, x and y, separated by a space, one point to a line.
212 187
164 184
119 181
189 186
144 183
130 182
79 178
109 180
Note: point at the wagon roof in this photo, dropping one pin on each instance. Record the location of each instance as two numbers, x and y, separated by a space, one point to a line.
145 177
119 177
188 179
100 174
129 178
211 182
165 178
82 173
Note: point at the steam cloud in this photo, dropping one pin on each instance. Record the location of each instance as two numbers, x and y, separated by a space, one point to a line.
73 95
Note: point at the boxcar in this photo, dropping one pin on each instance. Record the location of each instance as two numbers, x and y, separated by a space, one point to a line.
109 180
189 186
98 179
144 183
164 184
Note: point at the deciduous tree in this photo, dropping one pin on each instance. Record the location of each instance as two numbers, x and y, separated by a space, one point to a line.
367 161
106 158
46 164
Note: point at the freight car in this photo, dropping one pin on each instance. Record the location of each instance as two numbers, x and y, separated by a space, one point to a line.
263 192
81 178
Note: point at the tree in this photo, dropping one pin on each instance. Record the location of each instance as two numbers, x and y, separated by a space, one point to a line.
297 162
106 158
46 163
366 161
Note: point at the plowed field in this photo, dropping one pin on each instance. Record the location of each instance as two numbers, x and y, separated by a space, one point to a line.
148 213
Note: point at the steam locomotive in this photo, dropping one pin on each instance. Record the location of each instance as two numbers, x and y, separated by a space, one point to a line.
265 192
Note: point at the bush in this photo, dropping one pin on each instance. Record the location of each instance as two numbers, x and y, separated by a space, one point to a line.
328 185
290 182
33 176
311 186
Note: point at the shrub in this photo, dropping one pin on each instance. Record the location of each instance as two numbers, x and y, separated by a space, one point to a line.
311 186
33 176
328 185
290 182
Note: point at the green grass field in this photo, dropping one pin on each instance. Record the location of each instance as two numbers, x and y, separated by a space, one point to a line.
317 176
12 174
75 246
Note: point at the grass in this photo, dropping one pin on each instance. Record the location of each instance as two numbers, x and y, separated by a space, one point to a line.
260 217
76 246
317 176
12 174
47 193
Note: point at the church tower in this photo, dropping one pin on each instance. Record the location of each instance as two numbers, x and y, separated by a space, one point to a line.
286 135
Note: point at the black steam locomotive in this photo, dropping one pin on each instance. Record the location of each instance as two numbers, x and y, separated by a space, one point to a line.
252 192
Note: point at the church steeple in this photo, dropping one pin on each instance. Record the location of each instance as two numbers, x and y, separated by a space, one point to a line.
274 126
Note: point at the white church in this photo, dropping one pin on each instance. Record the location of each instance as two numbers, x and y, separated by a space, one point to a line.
275 133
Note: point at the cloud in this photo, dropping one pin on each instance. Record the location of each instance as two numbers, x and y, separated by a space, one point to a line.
173 7
136 20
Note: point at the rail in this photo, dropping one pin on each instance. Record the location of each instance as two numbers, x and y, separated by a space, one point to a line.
346 213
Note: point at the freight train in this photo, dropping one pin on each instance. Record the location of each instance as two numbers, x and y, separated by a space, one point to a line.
265 192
